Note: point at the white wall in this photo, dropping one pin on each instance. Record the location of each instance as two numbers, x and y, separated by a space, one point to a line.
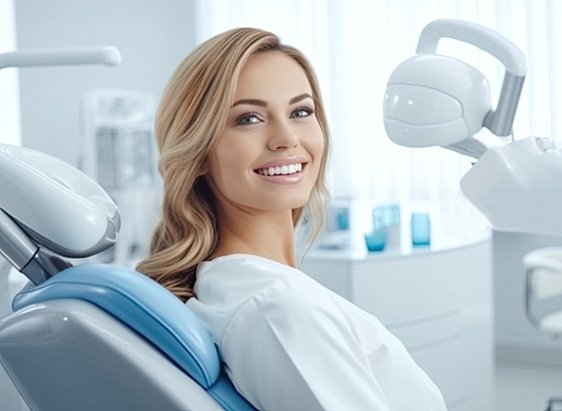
152 35
9 96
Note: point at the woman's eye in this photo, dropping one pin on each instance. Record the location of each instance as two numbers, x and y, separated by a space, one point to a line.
302 112
248 119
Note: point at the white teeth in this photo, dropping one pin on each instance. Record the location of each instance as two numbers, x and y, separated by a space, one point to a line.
281 170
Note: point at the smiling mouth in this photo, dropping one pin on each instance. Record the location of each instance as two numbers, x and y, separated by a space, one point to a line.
283 170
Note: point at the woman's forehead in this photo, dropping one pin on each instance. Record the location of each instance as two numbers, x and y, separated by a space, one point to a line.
272 74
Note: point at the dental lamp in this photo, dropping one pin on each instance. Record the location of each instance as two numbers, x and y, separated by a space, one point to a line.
75 218
436 100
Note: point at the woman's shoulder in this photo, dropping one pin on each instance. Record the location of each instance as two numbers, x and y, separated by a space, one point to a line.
242 261
244 270
238 277
279 291
256 277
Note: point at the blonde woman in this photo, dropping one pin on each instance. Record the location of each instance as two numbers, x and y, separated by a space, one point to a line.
243 141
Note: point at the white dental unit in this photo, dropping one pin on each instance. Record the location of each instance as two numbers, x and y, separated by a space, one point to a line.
93 337
435 100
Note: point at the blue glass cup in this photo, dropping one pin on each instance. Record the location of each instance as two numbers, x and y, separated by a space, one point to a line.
376 240
421 229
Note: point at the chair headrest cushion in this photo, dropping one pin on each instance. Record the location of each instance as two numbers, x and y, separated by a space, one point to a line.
142 304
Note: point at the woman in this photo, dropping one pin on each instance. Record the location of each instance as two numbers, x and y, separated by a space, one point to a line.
244 143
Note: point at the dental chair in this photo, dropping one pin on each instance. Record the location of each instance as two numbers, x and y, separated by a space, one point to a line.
91 336
543 296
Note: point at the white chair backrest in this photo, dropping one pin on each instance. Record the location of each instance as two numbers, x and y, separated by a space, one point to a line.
544 289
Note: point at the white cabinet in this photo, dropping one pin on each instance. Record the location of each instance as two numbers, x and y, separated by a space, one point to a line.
438 303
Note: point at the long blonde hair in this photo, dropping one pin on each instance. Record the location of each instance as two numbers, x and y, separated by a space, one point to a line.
190 120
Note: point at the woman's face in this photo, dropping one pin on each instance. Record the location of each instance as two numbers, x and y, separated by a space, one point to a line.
269 155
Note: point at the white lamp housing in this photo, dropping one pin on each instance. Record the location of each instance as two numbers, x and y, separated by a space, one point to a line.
435 100
56 204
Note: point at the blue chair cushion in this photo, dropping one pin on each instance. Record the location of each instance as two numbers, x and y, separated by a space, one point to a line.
143 305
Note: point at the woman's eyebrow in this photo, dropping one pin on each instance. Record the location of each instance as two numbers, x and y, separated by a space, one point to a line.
262 103
250 101
300 97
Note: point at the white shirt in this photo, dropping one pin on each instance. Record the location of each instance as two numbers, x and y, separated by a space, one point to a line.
291 344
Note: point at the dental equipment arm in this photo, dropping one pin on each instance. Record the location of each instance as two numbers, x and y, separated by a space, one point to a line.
23 254
57 56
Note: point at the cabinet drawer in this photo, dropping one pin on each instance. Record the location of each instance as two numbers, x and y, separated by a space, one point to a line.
420 287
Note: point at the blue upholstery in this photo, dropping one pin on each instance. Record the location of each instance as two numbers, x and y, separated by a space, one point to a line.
150 310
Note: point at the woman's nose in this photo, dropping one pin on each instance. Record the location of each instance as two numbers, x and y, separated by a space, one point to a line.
283 137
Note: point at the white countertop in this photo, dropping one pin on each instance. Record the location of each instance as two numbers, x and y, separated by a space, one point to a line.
453 225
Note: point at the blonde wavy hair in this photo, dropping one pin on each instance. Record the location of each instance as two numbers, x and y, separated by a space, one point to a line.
191 118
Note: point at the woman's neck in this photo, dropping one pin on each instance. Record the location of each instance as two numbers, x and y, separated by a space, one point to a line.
265 234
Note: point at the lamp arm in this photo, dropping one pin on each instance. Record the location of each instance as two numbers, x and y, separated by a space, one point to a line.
500 121
61 56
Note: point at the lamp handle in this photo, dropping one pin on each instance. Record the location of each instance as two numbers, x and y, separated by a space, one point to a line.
482 37
500 121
